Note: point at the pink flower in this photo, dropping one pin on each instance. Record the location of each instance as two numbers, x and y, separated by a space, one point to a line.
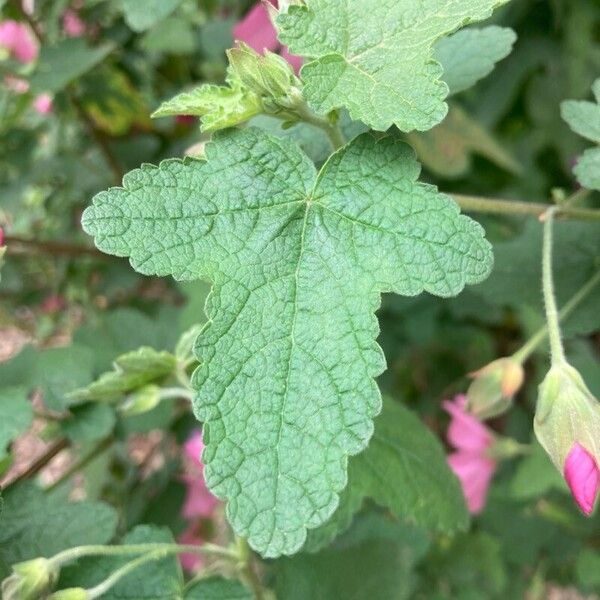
257 30
2 237
16 84
199 502
43 104
470 462
73 26
191 562
583 477
18 39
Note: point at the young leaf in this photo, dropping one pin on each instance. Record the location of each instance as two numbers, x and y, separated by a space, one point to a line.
16 415
131 371
376 58
404 469
298 260
36 524
587 169
471 54
218 106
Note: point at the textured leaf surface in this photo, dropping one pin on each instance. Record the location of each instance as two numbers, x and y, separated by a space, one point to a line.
144 15
375 57
298 260
35 523
471 54
157 580
16 414
404 469
218 106
131 371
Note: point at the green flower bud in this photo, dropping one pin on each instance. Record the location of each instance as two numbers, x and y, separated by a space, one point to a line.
141 401
70 594
493 388
268 76
567 414
30 580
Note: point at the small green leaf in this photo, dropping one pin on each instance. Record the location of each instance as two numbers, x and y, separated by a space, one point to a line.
404 469
587 169
471 54
131 371
144 15
61 63
298 260
218 588
141 401
156 580
37 524
583 117
376 58
16 415
218 106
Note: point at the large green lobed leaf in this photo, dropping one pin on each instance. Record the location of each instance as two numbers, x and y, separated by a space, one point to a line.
298 260
376 58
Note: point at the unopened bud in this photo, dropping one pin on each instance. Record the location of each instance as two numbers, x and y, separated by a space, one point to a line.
268 76
30 580
141 401
493 387
567 425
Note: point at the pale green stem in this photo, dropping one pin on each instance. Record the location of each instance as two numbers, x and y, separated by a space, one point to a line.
530 346
74 553
494 206
103 587
556 346
247 570
176 392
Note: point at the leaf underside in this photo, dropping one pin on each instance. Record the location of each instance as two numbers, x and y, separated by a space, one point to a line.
298 260
376 58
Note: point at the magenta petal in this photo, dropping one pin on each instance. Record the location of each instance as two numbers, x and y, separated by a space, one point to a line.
199 502
256 29
194 446
475 474
191 562
18 40
73 26
43 104
466 432
583 477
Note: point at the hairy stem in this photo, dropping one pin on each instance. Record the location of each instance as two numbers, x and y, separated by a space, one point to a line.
494 206
530 346
247 571
74 553
556 347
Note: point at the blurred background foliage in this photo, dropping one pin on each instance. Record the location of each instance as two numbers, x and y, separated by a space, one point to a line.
67 311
